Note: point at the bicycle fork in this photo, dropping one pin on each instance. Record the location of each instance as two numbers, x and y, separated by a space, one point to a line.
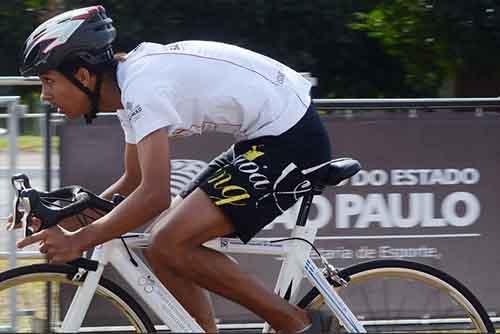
332 298
81 301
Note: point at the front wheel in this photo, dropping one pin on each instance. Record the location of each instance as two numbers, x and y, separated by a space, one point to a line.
394 295
37 284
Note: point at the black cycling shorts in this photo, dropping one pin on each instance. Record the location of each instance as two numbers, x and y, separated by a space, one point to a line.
256 180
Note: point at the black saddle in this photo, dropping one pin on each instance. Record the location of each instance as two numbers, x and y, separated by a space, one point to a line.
333 172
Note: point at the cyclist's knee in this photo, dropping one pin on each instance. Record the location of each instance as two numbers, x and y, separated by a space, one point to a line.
165 251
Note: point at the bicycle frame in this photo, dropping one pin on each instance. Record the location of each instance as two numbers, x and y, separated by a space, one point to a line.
296 264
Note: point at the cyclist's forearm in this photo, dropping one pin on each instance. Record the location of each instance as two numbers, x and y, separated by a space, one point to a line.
78 221
130 214
124 186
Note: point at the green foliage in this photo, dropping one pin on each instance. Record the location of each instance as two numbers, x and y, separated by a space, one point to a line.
436 39
29 143
363 48
310 36
17 20
16 24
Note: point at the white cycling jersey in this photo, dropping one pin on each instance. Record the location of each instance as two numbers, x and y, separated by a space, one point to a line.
193 86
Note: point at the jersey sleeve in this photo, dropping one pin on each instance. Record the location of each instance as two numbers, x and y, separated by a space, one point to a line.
147 108
126 126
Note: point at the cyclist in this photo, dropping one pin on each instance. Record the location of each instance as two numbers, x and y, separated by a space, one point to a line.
181 89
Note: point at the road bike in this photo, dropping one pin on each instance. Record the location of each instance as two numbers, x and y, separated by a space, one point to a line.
374 296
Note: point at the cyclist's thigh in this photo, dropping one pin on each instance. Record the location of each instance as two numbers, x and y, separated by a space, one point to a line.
162 215
193 221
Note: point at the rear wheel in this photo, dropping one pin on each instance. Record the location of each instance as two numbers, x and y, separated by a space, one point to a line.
402 296
36 284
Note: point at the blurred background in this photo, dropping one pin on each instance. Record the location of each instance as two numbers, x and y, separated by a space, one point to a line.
357 48
353 49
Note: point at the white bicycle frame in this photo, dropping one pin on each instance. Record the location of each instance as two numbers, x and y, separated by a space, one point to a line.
296 264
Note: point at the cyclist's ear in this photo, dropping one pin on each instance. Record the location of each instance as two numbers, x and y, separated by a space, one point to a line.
83 75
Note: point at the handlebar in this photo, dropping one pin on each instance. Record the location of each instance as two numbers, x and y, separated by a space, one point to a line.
31 203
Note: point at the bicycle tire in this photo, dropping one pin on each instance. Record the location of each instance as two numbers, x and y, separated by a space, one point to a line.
377 274
38 274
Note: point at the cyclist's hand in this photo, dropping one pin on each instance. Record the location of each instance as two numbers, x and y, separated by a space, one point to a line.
34 226
58 244
9 225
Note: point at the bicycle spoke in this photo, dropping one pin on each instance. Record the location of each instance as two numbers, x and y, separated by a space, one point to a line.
404 299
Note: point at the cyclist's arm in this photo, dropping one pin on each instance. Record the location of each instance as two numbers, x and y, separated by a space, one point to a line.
149 199
125 185
131 177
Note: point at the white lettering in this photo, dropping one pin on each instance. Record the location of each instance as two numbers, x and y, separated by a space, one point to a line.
355 211
248 167
437 177
428 219
472 209
470 176
423 251
397 177
376 177
259 181
423 177
347 205
396 208
360 178
412 177
452 176
374 210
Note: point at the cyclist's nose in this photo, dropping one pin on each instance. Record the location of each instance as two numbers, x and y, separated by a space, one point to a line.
45 98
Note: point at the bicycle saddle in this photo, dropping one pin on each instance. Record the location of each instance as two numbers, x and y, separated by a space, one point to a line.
333 172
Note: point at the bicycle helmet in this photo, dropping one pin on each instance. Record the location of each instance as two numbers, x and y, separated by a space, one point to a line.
82 36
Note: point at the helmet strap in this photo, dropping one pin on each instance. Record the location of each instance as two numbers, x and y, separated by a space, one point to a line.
94 96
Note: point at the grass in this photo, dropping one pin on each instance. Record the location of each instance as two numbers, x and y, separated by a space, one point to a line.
29 143
4 264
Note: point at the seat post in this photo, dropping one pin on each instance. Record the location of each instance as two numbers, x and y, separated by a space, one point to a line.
305 206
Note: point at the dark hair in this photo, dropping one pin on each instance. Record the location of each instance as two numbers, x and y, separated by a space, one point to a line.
71 66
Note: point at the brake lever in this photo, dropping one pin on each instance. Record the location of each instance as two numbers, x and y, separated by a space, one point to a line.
19 182
16 214
22 218
26 219
28 204
22 180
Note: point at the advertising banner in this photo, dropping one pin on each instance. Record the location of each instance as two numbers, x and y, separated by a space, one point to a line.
427 192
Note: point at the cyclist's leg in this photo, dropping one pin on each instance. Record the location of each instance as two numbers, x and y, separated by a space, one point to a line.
177 244
195 299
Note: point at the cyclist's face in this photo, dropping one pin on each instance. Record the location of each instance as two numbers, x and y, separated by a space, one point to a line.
61 93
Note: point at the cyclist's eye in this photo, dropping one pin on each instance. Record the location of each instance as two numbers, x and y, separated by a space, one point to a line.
47 81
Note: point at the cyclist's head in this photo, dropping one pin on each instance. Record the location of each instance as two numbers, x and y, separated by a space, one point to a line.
69 41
